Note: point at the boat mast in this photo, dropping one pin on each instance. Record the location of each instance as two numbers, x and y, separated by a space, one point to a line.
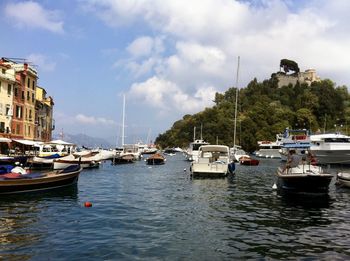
201 131
123 124
194 133
235 126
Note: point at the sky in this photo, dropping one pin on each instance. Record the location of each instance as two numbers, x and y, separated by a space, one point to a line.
168 58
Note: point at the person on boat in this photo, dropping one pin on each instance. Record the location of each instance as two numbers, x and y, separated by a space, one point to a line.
292 161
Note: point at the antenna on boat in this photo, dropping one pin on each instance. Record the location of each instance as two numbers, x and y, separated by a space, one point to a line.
123 123
235 127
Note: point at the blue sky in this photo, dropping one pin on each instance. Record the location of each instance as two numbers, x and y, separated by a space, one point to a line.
168 57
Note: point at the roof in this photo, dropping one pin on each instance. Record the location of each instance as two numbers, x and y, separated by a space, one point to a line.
28 142
219 148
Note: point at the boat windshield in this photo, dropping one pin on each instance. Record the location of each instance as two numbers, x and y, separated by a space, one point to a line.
338 140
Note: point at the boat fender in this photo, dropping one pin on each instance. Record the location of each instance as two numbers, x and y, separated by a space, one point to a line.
231 167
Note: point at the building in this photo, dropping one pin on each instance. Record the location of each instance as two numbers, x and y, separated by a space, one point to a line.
26 105
7 83
307 77
44 123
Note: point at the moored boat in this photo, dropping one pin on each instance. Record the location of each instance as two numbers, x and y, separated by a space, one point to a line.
65 162
213 161
19 183
343 179
248 161
156 159
303 178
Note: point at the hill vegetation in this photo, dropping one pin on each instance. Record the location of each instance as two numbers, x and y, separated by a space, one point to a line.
263 111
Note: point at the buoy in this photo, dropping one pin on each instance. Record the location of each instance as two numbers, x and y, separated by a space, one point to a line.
274 186
184 169
88 204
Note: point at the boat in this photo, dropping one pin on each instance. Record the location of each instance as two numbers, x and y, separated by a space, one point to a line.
331 148
237 153
248 161
64 162
123 159
270 149
156 159
19 183
213 161
303 178
343 179
191 154
296 139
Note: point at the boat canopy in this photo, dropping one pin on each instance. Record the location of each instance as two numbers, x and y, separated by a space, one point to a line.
214 148
29 142
297 145
5 140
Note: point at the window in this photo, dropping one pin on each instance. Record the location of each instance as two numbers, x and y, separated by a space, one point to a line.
9 89
0 108
3 71
30 114
2 127
28 130
33 86
18 112
28 83
8 110
33 99
18 129
28 96
16 92
22 95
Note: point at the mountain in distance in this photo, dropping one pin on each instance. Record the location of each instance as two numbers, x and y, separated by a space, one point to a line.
87 141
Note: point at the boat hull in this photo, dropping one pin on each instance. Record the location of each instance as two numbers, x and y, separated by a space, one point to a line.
343 179
332 156
303 182
11 186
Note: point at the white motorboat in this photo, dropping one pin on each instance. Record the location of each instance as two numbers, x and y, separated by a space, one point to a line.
304 178
343 179
237 152
331 148
270 149
85 163
296 139
212 161
191 153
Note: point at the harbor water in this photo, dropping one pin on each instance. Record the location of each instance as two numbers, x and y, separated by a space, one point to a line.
159 213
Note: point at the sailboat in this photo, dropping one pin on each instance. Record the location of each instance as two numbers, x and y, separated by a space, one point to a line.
130 152
236 151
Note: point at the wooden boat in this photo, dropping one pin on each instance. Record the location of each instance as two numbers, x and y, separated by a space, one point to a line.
156 159
19 183
248 161
304 178
213 161
124 159
343 179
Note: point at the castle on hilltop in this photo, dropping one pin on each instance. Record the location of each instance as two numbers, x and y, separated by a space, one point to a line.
284 79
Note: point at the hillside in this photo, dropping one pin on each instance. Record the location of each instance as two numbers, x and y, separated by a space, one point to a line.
264 109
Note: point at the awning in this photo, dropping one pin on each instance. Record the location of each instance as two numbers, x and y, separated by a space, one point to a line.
5 140
28 142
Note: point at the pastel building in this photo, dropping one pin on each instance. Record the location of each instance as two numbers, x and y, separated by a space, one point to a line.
7 83
43 115
21 107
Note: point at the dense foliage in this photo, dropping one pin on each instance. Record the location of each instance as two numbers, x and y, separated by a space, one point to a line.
263 111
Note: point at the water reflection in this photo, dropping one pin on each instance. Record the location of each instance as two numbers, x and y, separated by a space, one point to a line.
21 218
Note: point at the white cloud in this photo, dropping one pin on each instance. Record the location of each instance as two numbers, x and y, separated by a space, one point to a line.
42 61
32 14
204 38
167 96
83 119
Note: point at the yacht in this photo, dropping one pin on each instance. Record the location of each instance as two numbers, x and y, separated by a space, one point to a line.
331 148
270 149
212 161
192 152
296 139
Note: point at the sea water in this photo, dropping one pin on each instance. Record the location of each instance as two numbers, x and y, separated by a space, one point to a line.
159 213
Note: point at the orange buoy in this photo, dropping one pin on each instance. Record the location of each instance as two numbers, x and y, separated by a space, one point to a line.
88 204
